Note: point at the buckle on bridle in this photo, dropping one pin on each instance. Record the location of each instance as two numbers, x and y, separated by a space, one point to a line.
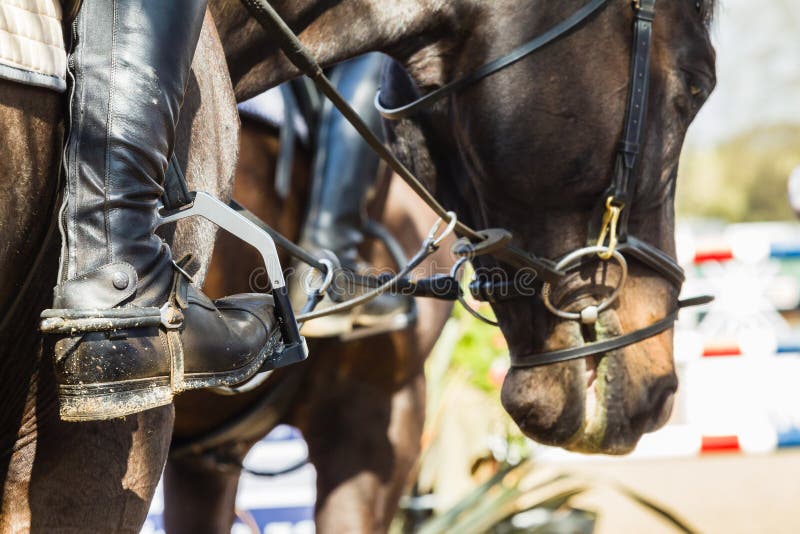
644 12
608 228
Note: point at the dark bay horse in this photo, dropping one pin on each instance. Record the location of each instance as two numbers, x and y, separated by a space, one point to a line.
536 144
360 457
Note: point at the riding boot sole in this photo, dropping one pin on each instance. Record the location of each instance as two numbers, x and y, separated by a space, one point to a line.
93 402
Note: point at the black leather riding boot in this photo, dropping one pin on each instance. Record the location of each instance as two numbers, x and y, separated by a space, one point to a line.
133 330
345 168
344 165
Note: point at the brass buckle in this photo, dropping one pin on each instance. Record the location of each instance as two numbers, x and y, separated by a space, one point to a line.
608 228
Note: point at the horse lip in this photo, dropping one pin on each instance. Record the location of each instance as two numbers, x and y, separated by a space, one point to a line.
661 410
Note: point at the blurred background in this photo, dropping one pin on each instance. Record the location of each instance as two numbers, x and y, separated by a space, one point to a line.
727 461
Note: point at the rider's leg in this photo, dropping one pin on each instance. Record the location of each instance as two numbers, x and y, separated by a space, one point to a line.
345 168
128 67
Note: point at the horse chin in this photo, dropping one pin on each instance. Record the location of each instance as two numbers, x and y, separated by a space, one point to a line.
600 404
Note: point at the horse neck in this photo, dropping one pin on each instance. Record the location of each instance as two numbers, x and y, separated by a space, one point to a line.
415 32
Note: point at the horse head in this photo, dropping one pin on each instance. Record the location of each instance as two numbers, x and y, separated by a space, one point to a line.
532 149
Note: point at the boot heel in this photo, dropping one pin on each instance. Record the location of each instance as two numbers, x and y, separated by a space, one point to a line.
89 403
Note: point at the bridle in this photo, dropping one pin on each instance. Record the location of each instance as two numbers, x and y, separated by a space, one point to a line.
613 240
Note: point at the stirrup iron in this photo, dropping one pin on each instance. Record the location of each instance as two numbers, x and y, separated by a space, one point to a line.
213 210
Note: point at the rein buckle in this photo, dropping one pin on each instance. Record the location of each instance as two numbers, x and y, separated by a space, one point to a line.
608 228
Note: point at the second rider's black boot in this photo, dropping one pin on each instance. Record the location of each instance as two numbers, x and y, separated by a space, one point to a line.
345 169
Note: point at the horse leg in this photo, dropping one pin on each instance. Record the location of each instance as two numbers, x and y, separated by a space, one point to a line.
366 411
202 498
98 476
363 440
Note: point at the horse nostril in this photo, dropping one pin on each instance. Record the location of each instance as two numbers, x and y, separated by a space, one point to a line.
664 411
664 399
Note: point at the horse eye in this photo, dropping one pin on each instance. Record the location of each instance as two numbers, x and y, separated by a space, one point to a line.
697 84
698 91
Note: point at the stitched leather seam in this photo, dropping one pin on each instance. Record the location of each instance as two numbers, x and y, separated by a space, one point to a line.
72 180
109 128
87 274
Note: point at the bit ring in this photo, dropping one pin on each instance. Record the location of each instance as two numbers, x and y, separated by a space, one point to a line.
589 314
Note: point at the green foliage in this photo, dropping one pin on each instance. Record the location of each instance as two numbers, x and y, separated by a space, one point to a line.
475 463
743 179
477 348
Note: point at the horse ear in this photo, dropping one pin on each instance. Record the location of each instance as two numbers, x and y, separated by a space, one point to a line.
397 87
425 143
406 137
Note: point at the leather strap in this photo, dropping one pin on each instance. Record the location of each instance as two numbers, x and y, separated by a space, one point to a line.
598 347
176 190
636 114
537 43
494 291
654 258
606 345
71 322
177 365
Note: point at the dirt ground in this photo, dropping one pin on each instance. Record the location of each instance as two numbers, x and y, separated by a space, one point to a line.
721 493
